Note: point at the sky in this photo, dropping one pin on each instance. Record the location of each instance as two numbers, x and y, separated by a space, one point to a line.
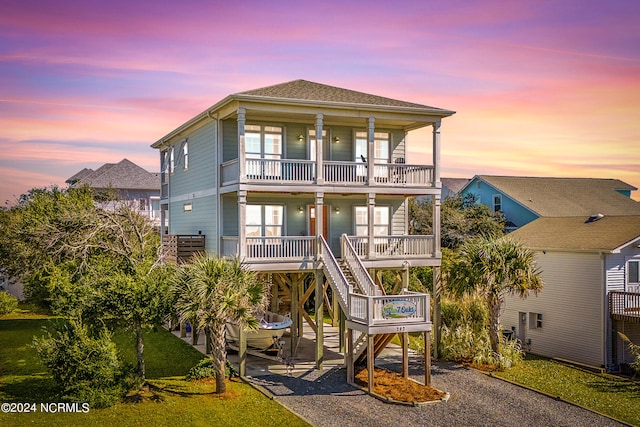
540 88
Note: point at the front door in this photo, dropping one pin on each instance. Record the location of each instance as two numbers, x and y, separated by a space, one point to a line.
312 222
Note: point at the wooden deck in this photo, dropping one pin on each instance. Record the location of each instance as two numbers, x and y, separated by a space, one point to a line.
624 306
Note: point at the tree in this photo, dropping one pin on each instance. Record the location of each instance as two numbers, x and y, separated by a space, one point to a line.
461 219
493 267
214 291
92 264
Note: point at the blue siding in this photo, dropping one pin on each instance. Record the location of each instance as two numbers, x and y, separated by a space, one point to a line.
196 185
512 210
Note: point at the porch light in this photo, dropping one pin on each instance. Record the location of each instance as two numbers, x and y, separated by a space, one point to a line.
300 209
336 140
301 138
337 210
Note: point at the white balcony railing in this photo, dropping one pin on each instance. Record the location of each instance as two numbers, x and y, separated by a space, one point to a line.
335 173
409 307
291 248
394 246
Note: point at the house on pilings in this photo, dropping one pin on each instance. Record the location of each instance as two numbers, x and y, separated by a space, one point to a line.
309 185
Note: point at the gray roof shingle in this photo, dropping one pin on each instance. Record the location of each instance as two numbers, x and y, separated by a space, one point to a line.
310 91
122 175
556 197
575 233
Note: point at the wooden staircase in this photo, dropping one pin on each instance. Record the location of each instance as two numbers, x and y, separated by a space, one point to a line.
380 341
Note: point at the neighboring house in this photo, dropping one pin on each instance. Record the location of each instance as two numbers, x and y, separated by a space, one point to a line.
452 186
292 178
524 199
132 185
590 268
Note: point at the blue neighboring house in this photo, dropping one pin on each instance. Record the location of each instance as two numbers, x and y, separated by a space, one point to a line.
525 199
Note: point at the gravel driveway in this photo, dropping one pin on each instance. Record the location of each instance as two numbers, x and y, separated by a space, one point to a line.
326 400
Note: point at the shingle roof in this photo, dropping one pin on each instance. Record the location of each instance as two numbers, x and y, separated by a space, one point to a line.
454 184
574 233
310 91
122 175
555 197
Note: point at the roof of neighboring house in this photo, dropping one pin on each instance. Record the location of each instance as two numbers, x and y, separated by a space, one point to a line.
454 184
122 175
306 93
555 197
608 233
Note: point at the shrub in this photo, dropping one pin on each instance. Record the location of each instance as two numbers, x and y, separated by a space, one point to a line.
87 368
634 349
464 344
204 369
8 303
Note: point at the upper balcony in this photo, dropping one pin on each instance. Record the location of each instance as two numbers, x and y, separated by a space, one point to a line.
334 173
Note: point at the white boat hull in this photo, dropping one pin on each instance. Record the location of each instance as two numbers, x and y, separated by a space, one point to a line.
272 326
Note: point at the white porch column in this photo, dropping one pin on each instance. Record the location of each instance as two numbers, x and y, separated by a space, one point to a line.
242 164
436 226
242 224
371 204
436 154
371 151
319 151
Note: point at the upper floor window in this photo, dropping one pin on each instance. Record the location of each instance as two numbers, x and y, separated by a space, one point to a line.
381 153
185 155
172 160
313 143
497 202
263 142
381 147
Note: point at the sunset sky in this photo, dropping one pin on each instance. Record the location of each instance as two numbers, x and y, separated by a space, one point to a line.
541 88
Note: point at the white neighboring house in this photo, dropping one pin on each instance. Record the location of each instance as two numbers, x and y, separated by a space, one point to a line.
133 185
590 268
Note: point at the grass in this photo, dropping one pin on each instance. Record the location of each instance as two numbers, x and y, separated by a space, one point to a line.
607 394
167 400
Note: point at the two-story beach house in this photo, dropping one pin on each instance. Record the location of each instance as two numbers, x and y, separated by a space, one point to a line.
309 184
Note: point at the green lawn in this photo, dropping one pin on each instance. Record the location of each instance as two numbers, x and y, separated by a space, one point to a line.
169 400
607 394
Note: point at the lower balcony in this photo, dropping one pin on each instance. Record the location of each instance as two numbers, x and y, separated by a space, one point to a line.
301 251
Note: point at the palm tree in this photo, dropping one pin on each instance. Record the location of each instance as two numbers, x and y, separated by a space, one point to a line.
493 267
219 291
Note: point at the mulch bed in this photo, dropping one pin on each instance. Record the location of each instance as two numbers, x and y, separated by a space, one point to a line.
394 386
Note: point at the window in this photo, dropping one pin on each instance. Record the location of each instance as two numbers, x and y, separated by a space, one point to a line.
380 220
633 272
172 161
312 142
264 220
263 142
380 150
535 320
497 202
185 155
